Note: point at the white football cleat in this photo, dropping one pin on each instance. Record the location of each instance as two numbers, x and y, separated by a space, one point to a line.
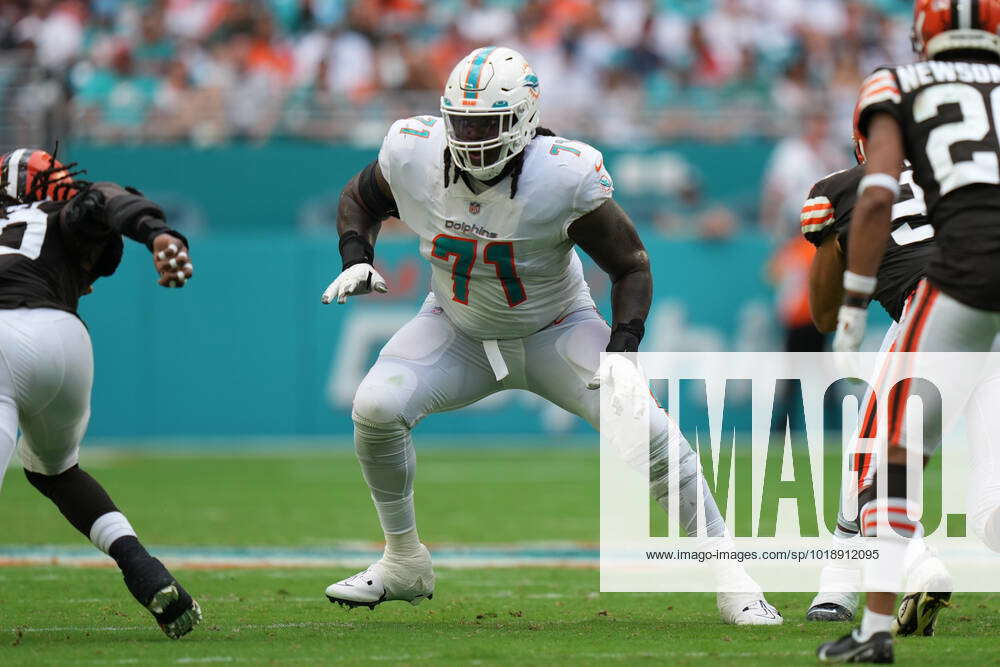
391 578
747 609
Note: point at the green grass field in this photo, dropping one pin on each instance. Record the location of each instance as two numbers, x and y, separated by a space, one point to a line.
59 615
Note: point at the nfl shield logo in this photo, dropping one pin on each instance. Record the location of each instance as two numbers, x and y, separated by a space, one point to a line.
474 208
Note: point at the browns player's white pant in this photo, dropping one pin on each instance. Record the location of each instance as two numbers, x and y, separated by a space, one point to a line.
940 323
430 366
945 325
862 461
46 373
933 322
840 582
937 323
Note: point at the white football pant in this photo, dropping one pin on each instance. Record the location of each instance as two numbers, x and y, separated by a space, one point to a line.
46 373
934 322
430 366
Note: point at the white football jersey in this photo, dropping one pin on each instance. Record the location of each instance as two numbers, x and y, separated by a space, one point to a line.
501 268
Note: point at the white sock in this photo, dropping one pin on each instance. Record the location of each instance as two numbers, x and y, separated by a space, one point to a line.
884 573
873 622
399 525
108 528
396 516
839 579
841 534
730 577
402 545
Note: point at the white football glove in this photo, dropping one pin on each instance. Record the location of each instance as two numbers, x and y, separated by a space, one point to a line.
353 281
851 322
627 384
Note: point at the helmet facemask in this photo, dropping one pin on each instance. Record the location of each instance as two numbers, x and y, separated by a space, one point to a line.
483 142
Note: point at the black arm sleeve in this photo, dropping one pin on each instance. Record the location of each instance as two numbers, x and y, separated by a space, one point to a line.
130 214
105 210
375 202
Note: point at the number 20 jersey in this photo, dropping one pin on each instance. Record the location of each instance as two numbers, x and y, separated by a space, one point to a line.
501 268
948 112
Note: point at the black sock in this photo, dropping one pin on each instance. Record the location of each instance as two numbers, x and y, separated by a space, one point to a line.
144 575
80 498
128 552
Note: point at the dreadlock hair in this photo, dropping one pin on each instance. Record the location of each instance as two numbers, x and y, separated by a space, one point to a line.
451 174
62 179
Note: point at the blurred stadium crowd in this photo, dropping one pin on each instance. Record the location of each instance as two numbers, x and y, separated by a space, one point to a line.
617 71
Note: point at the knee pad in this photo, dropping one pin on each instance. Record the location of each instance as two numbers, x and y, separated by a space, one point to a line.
986 526
375 409
991 532
382 398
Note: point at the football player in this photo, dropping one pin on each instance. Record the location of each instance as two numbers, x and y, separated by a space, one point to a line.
940 114
498 204
826 217
57 236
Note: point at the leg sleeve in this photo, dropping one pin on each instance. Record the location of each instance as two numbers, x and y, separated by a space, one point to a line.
561 360
428 366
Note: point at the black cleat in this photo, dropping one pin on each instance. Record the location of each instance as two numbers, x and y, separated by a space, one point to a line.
877 648
918 613
175 611
829 611
152 585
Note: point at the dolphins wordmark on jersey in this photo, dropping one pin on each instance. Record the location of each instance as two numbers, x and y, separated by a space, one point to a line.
501 267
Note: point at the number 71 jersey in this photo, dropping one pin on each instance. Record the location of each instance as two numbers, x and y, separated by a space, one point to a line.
948 113
500 267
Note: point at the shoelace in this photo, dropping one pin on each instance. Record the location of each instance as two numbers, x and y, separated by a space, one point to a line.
758 606
360 576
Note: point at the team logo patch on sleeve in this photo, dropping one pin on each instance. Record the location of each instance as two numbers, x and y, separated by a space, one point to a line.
879 87
817 213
